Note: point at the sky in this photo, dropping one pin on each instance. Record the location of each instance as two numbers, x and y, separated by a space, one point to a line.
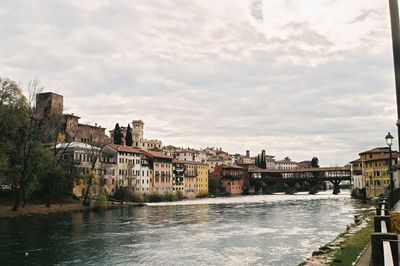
298 78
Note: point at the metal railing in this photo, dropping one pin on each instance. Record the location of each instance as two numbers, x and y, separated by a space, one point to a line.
383 241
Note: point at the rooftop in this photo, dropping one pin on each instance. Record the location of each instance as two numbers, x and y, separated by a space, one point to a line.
80 145
376 150
123 148
157 154
187 162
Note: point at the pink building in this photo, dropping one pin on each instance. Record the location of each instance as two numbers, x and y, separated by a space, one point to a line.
231 178
161 165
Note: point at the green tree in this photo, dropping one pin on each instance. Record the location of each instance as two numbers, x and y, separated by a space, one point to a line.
213 185
117 135
263 163
13 108
128 137
314 162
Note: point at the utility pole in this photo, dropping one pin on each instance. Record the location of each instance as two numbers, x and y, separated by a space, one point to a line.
394 19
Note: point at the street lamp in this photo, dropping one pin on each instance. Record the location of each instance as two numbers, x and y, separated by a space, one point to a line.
395 27
389 142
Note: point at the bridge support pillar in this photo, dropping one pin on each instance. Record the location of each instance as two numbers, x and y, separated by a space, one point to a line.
291 190
313 187
336 188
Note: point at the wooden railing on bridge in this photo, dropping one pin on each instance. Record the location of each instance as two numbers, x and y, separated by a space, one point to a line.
383 241
312 175
301 173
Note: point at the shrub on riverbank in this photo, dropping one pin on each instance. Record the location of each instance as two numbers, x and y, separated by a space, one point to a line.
155 197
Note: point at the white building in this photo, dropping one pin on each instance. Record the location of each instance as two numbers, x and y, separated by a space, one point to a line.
200 156
144 182
185 155
128 164
78 157
286 164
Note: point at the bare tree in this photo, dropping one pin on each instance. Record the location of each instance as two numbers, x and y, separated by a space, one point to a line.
26 142
95 149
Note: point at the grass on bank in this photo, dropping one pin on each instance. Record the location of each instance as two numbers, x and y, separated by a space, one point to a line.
353 246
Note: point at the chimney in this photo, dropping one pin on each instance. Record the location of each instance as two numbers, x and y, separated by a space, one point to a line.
247 153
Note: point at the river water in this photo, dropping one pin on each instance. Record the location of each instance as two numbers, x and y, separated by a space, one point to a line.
250 230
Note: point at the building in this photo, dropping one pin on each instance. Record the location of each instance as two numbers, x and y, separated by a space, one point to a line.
356 174
201 179
161 165
375 172
144 183
200 156
185 154
286 164
213 162
138 140
169 150
231 178
271 163
304 164
51 104
137 133
75 131
189 180
128 161
151 144
178 175
246 160
81 160
357 180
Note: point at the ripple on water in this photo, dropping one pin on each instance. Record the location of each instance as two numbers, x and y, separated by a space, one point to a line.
257 230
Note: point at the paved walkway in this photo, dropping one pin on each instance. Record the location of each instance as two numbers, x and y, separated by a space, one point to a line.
365 258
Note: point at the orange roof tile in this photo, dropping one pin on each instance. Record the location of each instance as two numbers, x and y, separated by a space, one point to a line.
157 154
125 148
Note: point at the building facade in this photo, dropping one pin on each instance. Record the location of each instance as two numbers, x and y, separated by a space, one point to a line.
231 178
162 171
201 180
51 104
375 170
128 164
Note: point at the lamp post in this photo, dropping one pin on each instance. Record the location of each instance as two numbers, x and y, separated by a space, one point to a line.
394 20
389 142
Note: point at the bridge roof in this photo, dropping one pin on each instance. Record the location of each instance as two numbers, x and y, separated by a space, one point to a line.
301 170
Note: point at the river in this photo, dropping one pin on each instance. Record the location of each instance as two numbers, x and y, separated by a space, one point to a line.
248 230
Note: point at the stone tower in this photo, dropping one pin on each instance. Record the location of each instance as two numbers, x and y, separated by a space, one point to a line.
137 133
49 103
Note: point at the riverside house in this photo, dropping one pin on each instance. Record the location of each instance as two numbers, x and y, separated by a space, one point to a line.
231 178
161 165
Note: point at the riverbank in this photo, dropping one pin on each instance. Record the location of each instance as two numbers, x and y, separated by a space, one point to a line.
347 246
41 209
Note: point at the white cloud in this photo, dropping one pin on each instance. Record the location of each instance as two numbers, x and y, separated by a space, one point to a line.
298 77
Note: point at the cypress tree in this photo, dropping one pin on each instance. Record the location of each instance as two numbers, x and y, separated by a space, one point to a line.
263 160
314 162
128 137
117 135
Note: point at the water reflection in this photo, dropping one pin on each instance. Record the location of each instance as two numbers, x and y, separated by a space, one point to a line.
261 230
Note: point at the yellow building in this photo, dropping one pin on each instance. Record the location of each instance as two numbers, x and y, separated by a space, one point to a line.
375 170
201 180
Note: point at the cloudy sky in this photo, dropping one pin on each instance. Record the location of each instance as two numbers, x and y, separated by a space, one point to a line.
299 78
